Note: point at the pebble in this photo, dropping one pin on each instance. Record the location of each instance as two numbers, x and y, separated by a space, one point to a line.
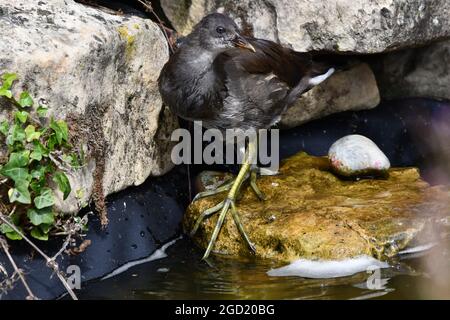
355 155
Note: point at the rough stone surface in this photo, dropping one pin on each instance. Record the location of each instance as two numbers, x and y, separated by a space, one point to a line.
310 213
353 89
99 71
420 72
358 26
354 155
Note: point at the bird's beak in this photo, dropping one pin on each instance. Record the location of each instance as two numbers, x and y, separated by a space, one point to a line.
241 42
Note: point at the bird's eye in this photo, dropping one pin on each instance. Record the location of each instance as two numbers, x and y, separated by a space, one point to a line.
220 29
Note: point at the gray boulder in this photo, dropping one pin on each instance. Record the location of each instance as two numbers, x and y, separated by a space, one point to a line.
353 89
98 71
419 72
357 26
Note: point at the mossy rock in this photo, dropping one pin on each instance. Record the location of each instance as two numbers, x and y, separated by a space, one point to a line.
311 213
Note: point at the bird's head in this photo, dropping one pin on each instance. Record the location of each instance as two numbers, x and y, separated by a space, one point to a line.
217 33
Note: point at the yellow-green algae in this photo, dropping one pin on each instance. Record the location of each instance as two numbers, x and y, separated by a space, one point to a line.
311 213
125 35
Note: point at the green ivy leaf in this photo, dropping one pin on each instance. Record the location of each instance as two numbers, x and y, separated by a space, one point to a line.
18 159
64 129
39 172
45 199
5 93
16 166
8 231
4 127
21 116
31 133
63 183
38 217
16 134
61 130
8 79
37 185
25 100
39 151
42 111
16 174
52 141
14 235
38 234
20 193
45 227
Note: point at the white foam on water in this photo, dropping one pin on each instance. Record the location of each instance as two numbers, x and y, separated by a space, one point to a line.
327 268
158 254
420 248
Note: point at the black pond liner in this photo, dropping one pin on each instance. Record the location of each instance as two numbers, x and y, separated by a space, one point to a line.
142 219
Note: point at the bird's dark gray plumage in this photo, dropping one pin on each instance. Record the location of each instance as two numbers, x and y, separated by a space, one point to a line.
227 80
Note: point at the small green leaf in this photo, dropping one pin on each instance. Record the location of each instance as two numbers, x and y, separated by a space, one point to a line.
64 129
63 183
79 193
16 134
14 235
8 79
4 127
4 228
16 174
37 185
45 227
31 133
25 100
52 141
20 193
45 199
61 130
16 166
18 159
39 172
38 217
39 151
5 93
42 111
21 116
38 234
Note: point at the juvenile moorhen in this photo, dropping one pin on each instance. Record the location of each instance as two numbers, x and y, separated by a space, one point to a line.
227 80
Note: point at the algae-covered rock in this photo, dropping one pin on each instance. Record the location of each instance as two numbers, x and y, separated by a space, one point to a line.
311 213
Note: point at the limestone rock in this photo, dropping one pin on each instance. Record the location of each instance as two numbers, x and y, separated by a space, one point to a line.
354 155
99 71
310 213
357 26
353 89
419 72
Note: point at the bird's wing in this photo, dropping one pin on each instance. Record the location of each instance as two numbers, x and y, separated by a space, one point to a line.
257 84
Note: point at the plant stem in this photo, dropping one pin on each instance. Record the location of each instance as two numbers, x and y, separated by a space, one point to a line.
4 244
50 262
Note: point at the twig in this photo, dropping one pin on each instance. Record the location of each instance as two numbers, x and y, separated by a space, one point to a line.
4 245
50 262
149 9
64 246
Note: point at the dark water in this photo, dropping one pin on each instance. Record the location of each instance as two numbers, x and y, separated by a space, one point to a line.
414 132
182 275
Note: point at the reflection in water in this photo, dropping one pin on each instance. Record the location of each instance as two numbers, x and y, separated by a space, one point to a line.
182 275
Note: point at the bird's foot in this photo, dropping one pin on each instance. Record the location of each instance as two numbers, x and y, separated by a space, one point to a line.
254 186
225 186
226 205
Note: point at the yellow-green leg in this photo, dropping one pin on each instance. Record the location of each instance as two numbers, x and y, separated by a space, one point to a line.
229 203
